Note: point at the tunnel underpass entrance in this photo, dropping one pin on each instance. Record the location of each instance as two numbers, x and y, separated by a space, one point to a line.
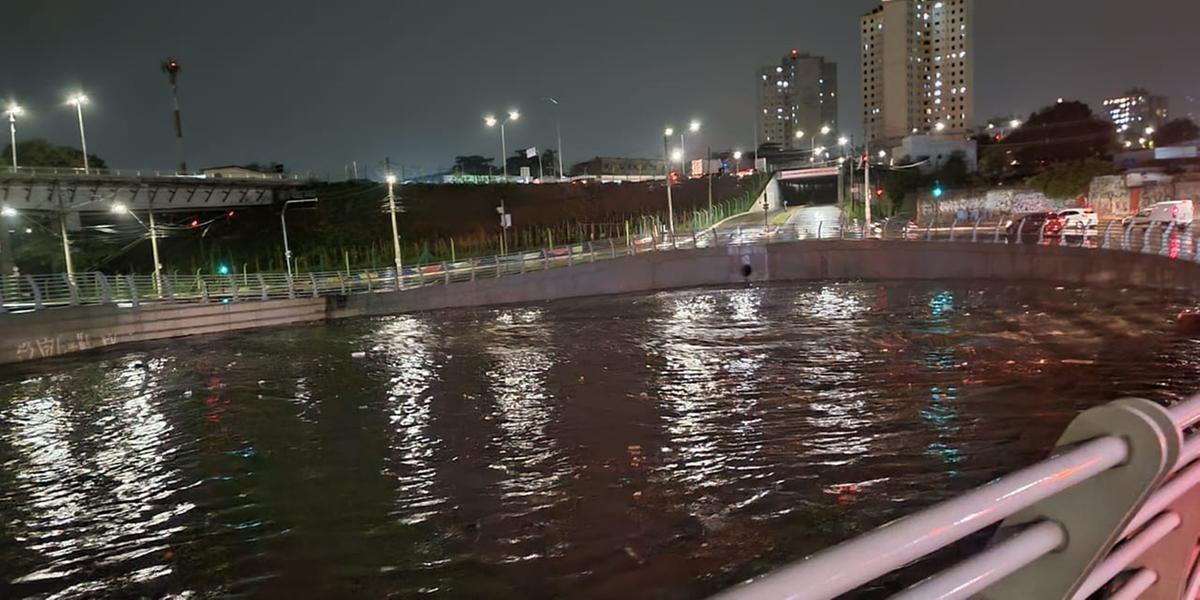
807 187
809 192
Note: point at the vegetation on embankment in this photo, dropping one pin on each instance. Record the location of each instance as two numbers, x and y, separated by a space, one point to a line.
350 227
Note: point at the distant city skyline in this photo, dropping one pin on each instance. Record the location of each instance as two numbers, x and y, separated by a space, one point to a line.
316 86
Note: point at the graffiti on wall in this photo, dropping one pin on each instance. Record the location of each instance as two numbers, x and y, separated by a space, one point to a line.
986 206
1109 196
46 347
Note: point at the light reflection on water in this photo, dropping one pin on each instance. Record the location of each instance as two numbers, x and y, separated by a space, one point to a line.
522 452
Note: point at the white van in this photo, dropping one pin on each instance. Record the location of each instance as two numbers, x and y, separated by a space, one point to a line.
1176 212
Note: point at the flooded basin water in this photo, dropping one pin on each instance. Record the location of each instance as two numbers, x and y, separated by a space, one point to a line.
655 446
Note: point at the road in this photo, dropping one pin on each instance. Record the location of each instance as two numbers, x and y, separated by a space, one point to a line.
824 218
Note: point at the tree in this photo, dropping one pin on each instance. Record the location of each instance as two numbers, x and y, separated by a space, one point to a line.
1177 131
271 167
1070 179
474 165
1063 132
41 153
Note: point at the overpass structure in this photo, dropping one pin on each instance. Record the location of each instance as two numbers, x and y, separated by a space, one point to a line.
70 193
74 191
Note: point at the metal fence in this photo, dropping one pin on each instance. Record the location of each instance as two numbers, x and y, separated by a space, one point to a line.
37 292
1115 510
93 172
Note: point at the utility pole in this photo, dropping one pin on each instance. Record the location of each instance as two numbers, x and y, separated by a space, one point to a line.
171 68
708 166
391 182
667 165
154 249
867 192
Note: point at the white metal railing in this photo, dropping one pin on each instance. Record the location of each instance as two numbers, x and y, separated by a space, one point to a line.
138 173
1069 530
35 292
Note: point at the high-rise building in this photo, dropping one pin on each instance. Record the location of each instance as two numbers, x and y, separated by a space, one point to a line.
797 95
918 69
1134 112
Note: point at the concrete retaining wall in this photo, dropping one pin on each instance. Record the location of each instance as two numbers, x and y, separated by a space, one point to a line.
54 332
61 331
802 261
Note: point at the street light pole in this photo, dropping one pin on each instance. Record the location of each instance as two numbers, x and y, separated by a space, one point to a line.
287 249
154 248
491 121
708 167
13 110
391 181
66 242
867 192
558 130
667 164
78 101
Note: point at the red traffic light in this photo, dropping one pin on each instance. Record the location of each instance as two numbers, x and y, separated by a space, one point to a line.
195 223
231 214
879 193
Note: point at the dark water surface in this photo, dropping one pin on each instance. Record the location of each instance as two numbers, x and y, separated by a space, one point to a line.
657 446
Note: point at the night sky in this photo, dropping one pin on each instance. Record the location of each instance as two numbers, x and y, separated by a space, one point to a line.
316 84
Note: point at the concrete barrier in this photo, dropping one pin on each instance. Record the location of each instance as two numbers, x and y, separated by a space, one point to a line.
55 332
61 331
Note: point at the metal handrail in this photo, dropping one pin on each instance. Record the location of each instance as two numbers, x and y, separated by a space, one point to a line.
856 562
900 542
44 291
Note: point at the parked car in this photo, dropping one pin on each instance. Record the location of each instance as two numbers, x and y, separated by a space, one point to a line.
1031 227
1176 212
1079 220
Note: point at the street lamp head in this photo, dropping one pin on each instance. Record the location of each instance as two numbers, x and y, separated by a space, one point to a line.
78 99
694 126
513 115
490 120
668 132
677 154
8 211
799 135
825 130
390 179
14 110
119 208
842 141
737 155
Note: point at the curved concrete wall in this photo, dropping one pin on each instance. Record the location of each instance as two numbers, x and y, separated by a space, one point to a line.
55 332
800 261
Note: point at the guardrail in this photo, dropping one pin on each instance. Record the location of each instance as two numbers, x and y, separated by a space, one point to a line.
1115 510
37 292
80 172
40 292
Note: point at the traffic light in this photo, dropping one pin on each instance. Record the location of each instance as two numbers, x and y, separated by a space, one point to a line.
938 192
878 192
195 222
223 269
231 214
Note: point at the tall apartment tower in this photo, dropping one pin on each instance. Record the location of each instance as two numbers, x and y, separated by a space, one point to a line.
918 69
797 95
